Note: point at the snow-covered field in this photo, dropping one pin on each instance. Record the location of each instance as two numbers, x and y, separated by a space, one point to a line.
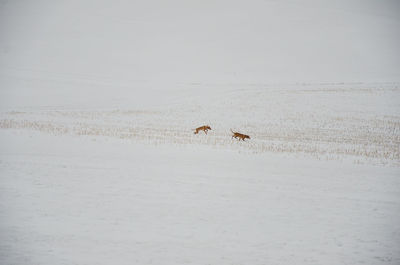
99 163
327 121
318 183
69 200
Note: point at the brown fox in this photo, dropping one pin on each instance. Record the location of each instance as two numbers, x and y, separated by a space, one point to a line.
204 128
240 135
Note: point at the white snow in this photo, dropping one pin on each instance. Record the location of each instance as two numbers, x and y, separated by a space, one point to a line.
70 200
99 163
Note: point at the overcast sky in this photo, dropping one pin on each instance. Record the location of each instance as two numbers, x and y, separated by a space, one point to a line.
201 41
